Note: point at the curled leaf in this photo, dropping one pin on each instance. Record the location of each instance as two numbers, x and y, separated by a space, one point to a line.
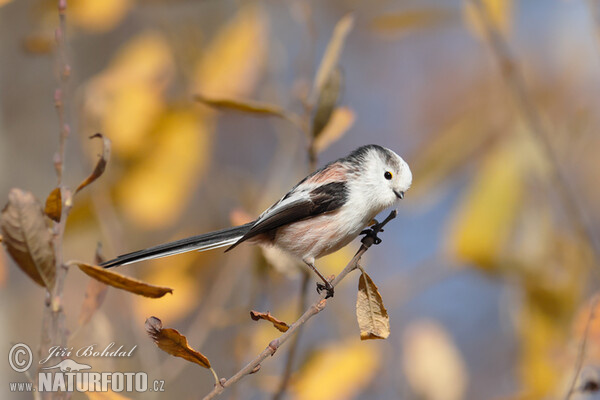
122 282
100 165
328 99
171 341
247 106
340 122
280 325
371 314
332 53
53 208
27 237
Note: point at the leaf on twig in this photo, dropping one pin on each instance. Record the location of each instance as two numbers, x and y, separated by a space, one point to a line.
247 106
371 314
171 341
328 99
340 122
280 325
53 208
100 165
122 282
27 237
95 293
332 53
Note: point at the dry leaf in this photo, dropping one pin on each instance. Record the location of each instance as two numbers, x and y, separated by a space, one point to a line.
247 106
332 53
98 15
280 325
327 100
122 282
337 371
4 2
432 364
53 207
173 342
339 123
100 165
27 237
402 22
371 314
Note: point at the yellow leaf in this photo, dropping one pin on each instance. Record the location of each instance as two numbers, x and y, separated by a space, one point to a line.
156 190
340 122
100 165
337 371
231 64
403 22
373 319
4 2
497 12
121 281
485 216
327 100
98 15
53 206
248 106
432 364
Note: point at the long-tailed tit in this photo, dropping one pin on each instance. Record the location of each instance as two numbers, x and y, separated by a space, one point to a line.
321 214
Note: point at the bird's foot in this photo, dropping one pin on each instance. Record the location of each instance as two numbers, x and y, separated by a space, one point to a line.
371 233
325 286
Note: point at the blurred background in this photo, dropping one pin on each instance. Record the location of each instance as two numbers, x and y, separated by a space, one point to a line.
487 273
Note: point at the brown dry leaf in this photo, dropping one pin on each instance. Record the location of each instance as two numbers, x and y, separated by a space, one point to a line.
122 282
332 53
39 42
280 325
433 366
247 106
53 208
173 342
403 22
27 237
339 370
100 165
499 14
155 191
482 225
373 319
340 122
327 101
230 65
98 15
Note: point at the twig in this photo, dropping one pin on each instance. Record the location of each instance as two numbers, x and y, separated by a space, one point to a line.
60 98
318 306
516 82
582 346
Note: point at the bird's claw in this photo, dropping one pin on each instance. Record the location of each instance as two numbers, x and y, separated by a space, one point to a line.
325 286
372 233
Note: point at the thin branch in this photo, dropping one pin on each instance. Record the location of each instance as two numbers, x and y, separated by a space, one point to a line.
582 346
318 306
516 82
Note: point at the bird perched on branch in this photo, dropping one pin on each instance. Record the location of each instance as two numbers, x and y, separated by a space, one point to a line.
321 214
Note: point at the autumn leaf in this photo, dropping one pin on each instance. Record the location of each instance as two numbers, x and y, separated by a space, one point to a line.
98 15
338 370
100 165
122 282
248 106
332 54
327 101
280 325
53 208
371 314
27 237
340 122
171 341
403 22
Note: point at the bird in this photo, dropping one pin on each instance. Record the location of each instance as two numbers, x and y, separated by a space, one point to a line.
321 214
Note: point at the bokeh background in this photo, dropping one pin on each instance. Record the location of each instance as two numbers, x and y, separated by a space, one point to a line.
486 273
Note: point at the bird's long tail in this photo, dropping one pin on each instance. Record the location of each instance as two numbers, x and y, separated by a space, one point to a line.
207 241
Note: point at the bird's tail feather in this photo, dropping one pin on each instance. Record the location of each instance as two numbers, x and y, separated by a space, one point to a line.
207 241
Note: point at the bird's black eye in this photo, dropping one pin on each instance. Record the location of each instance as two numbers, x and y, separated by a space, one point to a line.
387 175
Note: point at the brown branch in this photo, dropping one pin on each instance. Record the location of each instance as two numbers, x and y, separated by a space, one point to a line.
582 346
318 306
515 80
60 97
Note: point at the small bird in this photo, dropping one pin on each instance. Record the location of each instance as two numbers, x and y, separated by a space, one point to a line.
321 214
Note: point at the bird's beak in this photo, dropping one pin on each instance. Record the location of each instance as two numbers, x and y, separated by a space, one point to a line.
400 195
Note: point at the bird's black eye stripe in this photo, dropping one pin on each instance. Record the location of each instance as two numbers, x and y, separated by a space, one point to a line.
387 175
